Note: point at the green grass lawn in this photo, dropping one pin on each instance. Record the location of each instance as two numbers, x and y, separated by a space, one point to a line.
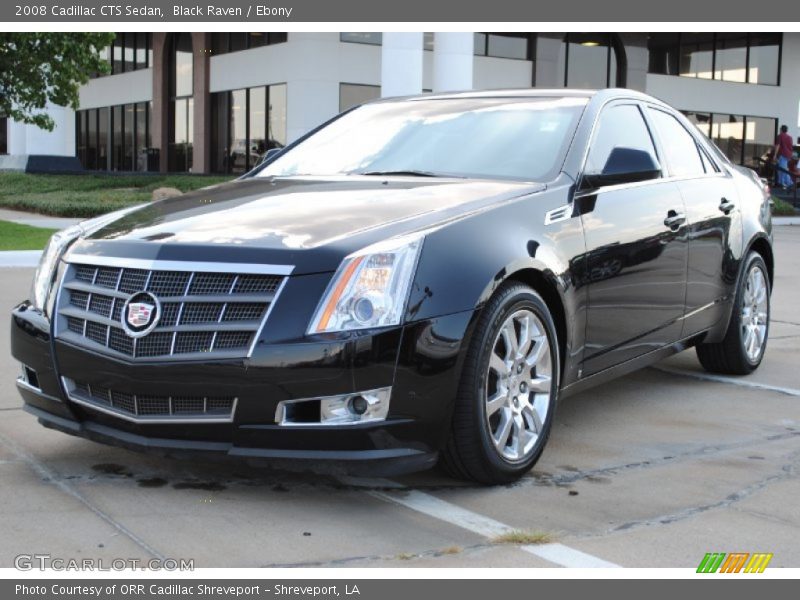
89 195
14 236
782 208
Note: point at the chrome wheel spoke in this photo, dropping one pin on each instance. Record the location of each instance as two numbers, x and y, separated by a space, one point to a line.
540 384
503 431
496 401
509 334
533 418
498 365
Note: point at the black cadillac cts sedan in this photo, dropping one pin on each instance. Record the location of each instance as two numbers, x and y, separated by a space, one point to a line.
419 279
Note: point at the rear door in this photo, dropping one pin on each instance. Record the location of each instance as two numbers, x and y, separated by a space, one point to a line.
636 250
712 214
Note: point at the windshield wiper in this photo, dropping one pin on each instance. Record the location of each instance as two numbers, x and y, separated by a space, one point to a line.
411 172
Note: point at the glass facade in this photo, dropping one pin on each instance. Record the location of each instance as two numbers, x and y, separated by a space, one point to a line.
740 57
115 138
245 123
745 139
222 43
181 90
375 37
588 61
505 45
353 94
130 51
3 135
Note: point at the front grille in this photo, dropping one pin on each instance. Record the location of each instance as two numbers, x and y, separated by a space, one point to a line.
203 314
151 408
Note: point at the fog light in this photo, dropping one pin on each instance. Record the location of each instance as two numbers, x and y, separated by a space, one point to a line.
359 405
365 407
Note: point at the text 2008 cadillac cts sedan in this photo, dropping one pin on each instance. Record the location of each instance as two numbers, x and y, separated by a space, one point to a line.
420 279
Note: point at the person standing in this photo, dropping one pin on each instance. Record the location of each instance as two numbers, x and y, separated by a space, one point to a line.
781 155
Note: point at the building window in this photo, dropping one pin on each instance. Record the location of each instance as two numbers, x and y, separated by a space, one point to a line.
181 91
3 135
245 124
127 135
222 43
128 52
353 94
504 45
590 60
355 37
744 139
739 57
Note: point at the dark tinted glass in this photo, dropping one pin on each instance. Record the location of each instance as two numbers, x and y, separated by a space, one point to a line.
620 126
764 58
682 154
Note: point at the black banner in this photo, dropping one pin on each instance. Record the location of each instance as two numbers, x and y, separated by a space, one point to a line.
281 11
733 588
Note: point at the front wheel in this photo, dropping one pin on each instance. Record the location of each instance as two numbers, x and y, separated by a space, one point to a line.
745 342
504 409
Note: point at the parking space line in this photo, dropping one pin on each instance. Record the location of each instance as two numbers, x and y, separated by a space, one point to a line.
45 473
437 508
730 380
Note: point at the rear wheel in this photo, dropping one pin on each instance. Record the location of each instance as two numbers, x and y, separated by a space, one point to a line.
504 409
745 342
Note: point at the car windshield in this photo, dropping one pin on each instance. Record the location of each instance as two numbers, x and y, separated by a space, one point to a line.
495 138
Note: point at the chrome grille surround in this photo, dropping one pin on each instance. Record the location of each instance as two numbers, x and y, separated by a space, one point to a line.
147 408
209 311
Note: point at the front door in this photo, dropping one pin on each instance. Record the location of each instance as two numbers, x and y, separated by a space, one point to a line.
636 251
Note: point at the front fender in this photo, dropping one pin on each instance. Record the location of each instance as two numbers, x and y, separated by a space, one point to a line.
463 263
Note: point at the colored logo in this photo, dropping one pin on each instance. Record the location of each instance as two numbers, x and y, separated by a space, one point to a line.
140 314
735 562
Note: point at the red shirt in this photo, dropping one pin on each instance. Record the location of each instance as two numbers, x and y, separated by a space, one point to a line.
784 143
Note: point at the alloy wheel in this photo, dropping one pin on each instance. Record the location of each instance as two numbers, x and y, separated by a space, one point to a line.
755 313
518 385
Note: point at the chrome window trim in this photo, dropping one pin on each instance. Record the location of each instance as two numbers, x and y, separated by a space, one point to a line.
69 386
178 265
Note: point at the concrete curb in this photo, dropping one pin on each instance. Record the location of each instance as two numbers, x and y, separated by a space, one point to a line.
786 220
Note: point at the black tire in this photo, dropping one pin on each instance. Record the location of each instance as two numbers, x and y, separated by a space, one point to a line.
470 453
729 356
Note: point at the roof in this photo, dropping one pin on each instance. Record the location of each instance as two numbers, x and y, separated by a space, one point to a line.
522 93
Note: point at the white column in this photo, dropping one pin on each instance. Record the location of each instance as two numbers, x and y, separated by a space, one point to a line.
17 137
452 61
312 81
60 141
401 64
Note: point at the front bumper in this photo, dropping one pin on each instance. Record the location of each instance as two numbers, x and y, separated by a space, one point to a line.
420 362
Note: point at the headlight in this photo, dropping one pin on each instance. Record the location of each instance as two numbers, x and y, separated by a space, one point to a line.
58 244
43 279
370 288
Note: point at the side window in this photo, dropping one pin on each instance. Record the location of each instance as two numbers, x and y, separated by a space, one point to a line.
620 126
682 153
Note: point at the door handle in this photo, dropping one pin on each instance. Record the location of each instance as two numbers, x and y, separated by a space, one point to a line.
674 219
726 206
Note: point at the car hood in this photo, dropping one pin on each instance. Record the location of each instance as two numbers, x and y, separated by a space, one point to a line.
311 223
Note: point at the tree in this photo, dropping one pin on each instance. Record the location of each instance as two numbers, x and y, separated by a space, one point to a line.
37 68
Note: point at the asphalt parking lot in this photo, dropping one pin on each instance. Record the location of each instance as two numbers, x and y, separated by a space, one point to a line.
652 470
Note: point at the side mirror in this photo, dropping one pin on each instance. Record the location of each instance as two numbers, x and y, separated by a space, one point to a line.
624 165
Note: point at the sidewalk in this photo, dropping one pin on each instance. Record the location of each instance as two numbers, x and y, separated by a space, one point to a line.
36 220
